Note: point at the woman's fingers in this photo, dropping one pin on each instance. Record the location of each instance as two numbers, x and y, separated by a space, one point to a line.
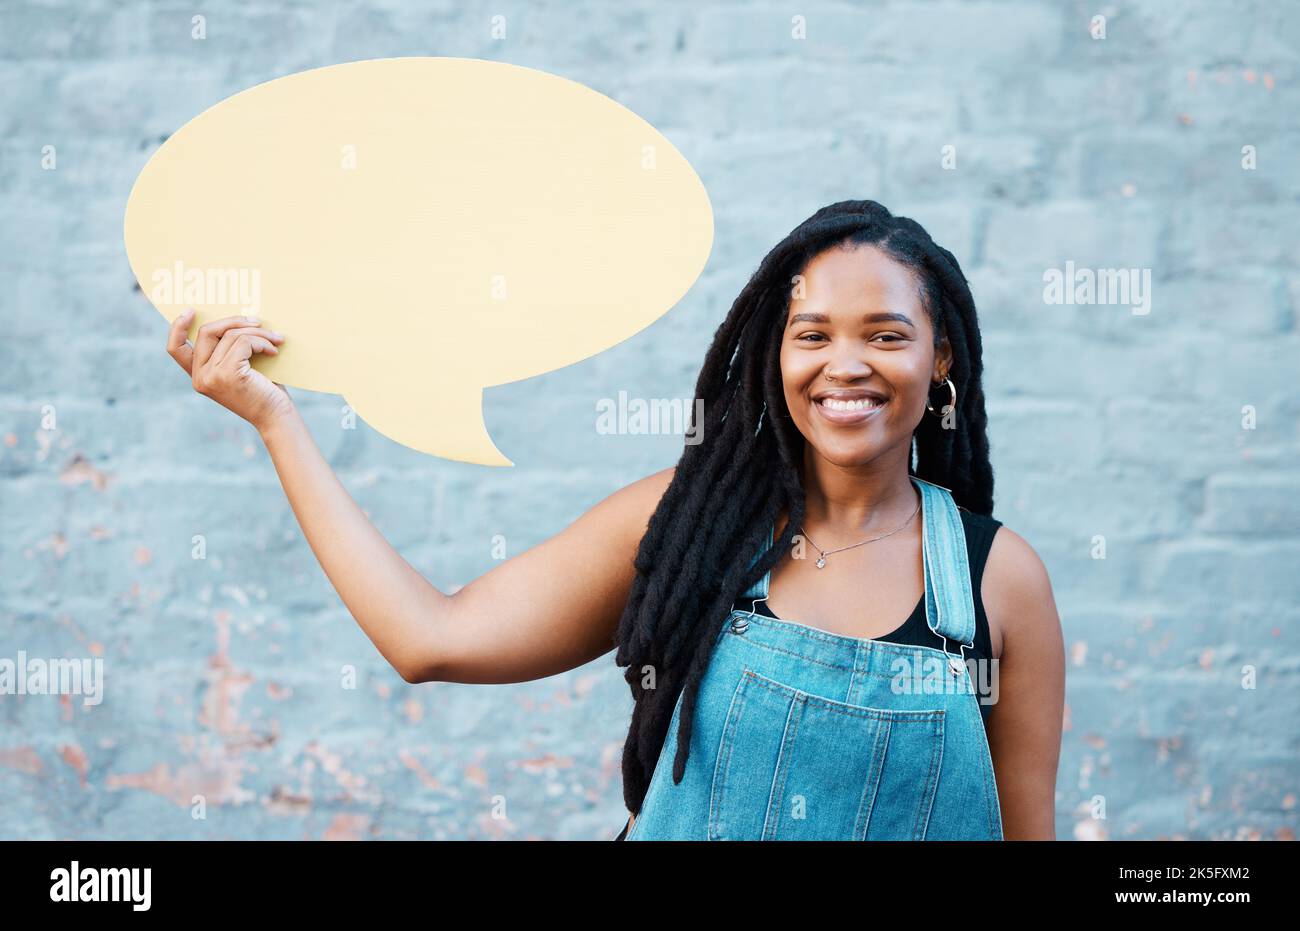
219 368
232 336
210 334
238 345
178 346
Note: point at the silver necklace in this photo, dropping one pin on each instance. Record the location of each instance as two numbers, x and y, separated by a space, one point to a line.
821 560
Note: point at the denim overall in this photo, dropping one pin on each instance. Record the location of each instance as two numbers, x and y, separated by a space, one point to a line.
803 734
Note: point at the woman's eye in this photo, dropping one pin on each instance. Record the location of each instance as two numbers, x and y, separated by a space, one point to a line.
818 338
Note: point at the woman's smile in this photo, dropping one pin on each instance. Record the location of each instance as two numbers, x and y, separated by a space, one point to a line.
848 412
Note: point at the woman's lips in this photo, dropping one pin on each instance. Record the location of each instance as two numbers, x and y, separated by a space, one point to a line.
848 417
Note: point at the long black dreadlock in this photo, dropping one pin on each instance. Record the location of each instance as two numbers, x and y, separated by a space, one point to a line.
728 489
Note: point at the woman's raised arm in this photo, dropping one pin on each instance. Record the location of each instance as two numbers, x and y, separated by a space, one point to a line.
548 609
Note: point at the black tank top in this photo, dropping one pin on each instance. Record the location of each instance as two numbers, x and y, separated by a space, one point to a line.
914 631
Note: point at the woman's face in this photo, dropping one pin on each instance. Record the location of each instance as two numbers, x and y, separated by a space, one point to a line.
858 356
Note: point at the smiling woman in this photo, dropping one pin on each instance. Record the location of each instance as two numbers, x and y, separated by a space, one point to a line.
749 726
813 421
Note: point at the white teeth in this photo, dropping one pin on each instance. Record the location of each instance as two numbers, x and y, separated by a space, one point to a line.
836 404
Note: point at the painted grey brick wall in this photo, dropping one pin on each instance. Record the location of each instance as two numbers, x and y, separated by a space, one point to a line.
223 673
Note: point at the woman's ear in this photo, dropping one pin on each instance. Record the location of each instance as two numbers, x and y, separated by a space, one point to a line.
943 355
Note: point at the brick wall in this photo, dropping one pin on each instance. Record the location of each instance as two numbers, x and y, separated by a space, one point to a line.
223 674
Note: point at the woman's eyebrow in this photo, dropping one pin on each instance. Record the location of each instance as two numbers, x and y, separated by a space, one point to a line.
879 317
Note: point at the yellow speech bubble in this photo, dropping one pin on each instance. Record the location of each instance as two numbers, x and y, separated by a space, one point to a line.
420 229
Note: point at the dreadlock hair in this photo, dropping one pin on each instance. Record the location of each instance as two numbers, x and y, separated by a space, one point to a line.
728 490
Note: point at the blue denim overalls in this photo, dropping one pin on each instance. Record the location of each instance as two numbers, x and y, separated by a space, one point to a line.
803 734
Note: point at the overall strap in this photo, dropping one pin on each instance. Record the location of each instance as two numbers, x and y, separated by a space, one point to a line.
949 602
759 589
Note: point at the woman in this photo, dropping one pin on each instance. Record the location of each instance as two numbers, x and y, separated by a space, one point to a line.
802 707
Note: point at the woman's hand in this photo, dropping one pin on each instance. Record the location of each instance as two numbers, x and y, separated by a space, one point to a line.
218 365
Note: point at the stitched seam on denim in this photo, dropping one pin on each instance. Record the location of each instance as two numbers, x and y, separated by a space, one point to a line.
777 790
993 801
856 711
868 798
717 794
878 763
803 630
989 803
932 783
848 692
960 560
746 639
803 657
927 561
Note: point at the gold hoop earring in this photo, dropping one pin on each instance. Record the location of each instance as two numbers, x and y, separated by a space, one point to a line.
952 390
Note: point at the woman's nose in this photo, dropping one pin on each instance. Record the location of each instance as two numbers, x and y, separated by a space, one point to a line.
847 368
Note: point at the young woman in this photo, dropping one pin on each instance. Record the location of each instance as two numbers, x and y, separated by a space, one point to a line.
754 591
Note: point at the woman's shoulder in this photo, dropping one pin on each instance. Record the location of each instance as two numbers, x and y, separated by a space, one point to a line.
620 519
1016 588
984 522
980 531
1012 560
641 497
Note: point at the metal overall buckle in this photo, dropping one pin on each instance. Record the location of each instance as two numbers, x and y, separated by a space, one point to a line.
956 665
738 624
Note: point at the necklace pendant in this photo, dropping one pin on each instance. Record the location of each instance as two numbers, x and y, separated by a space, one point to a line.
821 561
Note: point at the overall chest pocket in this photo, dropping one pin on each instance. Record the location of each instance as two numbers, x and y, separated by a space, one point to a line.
795 766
